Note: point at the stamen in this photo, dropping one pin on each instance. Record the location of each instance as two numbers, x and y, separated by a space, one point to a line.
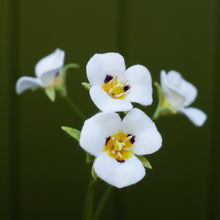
119 146
119 154
115 88
108 78
119 95
126 88
107 139
132 140
128 138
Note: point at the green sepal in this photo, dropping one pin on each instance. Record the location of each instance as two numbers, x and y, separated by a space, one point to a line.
159 93
162 110
145 162
74 133
167 110
86 85
89 158
93 173
51 93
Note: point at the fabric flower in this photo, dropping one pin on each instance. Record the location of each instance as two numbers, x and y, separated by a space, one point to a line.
179 94
115 142
48 73
114 88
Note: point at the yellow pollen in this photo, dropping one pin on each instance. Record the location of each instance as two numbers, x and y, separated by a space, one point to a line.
165 103
119 146
115 88
58 81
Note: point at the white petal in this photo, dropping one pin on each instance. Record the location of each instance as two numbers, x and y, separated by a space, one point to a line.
185 88
119 174
139 79
50 63
25 83
147 138
47 78
106 103
101 65
172 95
96 129
197 116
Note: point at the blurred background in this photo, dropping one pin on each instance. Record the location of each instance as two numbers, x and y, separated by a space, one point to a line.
43 173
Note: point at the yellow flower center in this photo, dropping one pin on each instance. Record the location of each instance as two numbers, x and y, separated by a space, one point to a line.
165 102
58 81
119 146
115 88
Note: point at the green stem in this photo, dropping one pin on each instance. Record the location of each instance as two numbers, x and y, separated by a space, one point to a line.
70 65
88 211
102 202
156 114
75 108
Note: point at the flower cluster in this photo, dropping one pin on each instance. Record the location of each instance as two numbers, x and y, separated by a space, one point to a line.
118 144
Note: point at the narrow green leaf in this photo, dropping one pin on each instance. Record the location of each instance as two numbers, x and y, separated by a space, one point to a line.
72 132
145 162
86 85
50 92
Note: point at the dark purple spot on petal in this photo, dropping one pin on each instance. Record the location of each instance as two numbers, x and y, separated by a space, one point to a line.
132 139
126 88
107 139
121 161
108 78
57 74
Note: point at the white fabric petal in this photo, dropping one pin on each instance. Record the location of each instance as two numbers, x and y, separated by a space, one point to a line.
119 174
25 83
96 129
172 95
106 103
197 116
139 79
101 65
176 82
147 138
52 62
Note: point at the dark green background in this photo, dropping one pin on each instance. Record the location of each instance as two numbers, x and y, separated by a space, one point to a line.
42 170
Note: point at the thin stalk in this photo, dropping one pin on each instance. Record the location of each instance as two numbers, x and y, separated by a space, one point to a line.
156 114
88 210
75 108
102 202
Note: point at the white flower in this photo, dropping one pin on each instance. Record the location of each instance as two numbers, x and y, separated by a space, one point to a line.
179 94
48 73
114 88
114 143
